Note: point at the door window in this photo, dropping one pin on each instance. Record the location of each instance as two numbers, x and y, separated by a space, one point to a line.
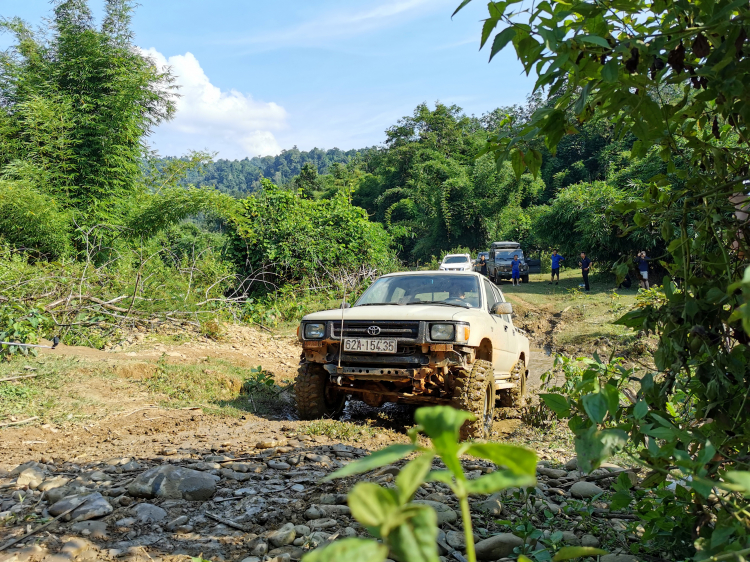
491 296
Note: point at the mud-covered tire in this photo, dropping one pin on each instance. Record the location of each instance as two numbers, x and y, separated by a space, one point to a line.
515 397
475 393
315 398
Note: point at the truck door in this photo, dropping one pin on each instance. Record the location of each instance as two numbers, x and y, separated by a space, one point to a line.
511 349
498 335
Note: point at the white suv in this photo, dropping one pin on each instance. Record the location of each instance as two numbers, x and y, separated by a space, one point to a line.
419 337
457 262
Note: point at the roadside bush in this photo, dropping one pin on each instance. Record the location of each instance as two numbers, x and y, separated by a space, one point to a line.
577 221
34 221
282 237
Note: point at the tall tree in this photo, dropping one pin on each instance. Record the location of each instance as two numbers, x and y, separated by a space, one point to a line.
109 95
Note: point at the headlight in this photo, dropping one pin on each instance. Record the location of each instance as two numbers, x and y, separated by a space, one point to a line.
315 331
442 332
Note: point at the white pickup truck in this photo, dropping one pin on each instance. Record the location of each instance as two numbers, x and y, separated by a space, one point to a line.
425 337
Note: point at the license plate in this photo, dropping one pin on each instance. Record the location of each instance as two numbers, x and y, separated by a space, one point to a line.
366 345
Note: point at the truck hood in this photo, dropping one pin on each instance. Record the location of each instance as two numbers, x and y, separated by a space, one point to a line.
395 312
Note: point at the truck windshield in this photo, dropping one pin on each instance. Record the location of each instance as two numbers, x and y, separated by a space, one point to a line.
456 290
456 259
508 254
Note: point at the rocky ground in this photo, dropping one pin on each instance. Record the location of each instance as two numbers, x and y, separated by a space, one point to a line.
261 499
152 482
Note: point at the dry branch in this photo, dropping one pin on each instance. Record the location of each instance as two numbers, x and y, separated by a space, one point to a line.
19 423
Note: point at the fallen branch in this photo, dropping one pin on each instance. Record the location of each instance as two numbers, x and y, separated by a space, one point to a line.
18 377
41 527
227 522
19 423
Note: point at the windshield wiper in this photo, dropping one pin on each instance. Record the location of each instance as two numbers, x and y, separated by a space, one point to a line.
443 303
380 304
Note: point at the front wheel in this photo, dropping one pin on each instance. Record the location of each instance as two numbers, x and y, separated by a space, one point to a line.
525 278
316 396
475 393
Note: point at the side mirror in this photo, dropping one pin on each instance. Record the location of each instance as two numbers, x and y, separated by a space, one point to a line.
502 308
345 305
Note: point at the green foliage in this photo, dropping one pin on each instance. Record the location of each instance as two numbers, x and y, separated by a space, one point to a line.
675 76
286 237
410 530
33 221
19 324
260 381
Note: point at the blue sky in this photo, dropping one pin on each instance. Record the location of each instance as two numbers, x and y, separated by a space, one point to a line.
260 76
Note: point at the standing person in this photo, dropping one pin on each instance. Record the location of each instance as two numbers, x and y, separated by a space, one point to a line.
483 265
585 264
515 271
643 269
556 259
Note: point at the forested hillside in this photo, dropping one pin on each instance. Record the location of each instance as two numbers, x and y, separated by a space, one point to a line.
242 177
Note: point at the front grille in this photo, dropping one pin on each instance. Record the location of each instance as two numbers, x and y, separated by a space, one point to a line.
359 329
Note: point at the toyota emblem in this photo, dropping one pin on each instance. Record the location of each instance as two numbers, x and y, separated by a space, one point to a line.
373 330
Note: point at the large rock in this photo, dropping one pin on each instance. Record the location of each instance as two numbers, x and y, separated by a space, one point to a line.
444 513
92 505
174 482
31 477
283 536
551 472
590 540
498 546
572 464
52 483
570 538
585 490
148 513
94 529
492 505
456 540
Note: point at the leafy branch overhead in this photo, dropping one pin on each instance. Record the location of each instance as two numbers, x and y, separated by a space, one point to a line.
674 77
675 74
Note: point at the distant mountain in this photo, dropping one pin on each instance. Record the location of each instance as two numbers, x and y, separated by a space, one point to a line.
240 177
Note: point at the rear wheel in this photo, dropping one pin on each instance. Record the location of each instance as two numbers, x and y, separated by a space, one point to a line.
475 393
316 396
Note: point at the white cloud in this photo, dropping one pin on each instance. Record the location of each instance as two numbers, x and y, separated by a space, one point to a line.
207 118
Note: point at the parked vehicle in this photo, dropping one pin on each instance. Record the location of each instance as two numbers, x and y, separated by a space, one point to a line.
422 337
500 258
457 262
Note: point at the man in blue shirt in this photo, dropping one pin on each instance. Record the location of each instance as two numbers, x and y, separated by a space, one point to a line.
515 271
585 264
643 269
556 259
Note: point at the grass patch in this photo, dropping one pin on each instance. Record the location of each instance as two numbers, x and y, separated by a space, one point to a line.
37 396
217 386
335 429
